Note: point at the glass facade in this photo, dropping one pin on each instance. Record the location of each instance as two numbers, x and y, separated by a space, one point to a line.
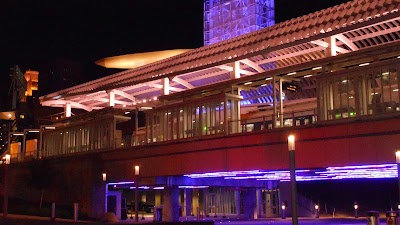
361 91
97 134
350 93
192 119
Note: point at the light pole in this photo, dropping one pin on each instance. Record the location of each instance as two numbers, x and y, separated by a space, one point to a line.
355 210
7 160
291 148
104 184
283 210
316 210
136 194
398 171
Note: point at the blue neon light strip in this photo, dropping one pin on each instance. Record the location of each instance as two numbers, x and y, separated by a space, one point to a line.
329 173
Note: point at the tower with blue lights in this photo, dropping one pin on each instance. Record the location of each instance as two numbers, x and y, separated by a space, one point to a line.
225 19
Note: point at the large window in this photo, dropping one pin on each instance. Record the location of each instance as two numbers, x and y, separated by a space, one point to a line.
79 138
193 118
361 91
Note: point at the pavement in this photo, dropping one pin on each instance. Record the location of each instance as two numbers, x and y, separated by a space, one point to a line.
148 218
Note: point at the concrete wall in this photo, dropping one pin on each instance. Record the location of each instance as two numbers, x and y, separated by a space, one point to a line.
74 180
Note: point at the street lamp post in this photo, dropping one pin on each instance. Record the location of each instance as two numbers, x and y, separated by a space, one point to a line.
283 210
398 171
355 210
104 184
291 148
136 194
7 159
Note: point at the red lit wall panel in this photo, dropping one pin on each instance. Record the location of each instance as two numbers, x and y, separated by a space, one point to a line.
353 143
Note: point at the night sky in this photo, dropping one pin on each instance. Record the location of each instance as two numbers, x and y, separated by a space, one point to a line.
62 39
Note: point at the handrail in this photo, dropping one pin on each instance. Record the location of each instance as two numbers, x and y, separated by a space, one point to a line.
304 117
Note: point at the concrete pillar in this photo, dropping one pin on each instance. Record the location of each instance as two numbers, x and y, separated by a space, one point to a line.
195 201
250 203
259 203
237 200
205 203
187 202
99 205
171 204
157 201
286 196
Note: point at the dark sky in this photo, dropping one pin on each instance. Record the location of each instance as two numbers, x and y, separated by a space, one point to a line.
40 35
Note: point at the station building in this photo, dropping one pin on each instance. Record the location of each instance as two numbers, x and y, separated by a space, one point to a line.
217 118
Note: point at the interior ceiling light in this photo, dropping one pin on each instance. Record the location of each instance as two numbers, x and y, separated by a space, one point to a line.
363 64
317 68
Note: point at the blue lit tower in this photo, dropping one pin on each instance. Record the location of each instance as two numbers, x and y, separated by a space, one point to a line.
224 19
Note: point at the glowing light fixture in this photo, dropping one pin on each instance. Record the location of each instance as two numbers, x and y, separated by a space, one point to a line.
192 187
364 64
7 159
136 170
397 156
104 176
291 143
329 173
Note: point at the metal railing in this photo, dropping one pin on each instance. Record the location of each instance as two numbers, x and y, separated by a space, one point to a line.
293 119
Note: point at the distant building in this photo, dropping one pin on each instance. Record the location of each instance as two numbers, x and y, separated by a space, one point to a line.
21 112
225 19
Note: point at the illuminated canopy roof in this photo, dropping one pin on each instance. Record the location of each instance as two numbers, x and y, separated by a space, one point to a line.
345 28
131 61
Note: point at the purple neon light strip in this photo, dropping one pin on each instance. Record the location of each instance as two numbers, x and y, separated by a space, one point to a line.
329 173
121 183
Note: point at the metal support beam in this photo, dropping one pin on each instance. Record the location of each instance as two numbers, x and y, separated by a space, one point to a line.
111 98
125 95
183 82
67 109
165 86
